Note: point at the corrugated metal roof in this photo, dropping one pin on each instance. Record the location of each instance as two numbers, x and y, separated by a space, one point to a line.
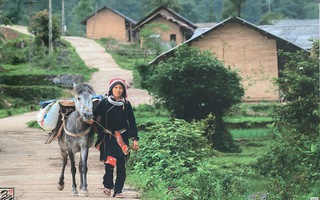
200 32
298 32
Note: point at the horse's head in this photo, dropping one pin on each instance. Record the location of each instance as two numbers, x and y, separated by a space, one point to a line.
83 101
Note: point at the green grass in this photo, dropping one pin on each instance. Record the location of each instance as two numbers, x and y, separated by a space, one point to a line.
16 111
249 133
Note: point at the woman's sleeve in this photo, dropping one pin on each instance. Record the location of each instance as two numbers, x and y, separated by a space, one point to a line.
132 123
99 110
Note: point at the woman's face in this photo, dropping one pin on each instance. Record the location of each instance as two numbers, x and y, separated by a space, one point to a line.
117 91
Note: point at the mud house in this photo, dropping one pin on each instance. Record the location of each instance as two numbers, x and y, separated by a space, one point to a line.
246 48
108 22
180 29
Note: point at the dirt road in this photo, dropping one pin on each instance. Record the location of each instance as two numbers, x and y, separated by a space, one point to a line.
31 167
95 56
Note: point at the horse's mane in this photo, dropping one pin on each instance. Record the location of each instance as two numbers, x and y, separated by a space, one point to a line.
83 87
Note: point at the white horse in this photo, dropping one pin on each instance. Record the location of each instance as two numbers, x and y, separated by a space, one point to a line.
77 136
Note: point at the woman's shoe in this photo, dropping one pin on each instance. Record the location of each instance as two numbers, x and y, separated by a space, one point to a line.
107 191
118 195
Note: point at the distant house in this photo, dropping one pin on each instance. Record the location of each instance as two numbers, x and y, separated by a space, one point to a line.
250 50
180 29
106 23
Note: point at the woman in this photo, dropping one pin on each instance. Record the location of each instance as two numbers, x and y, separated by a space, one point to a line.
116 116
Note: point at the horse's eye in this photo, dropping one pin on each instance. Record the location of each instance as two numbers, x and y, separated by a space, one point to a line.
78 98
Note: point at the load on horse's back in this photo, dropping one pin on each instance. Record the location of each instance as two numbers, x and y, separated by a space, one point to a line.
75 134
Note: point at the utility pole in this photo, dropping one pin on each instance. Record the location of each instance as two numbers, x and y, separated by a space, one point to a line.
30 3
269 5
50 27
62 20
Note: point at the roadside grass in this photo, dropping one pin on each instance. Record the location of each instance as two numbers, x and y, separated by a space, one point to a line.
16 111
249 133
64 61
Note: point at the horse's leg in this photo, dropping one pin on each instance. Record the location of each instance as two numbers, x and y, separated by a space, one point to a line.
64 163
83 174
74 191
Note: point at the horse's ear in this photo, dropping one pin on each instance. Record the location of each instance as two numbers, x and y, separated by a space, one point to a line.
74 85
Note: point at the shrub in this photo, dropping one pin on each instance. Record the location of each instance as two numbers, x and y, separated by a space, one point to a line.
14 52
170 150
31 93
294 156
193 84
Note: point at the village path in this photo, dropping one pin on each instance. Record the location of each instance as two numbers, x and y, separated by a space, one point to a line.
31 167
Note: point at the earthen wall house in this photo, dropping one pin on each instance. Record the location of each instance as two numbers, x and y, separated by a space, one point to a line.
251 54
108 23
179 28
249 50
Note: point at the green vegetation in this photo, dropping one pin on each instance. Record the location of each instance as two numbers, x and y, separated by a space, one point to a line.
23 83
176 162
279 155
294 155
199 11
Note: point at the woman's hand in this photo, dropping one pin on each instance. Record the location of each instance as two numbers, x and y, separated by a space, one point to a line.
135 145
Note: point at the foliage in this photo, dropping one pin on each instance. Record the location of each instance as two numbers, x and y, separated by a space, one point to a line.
15 52
232 8
170 150
151 37
270 18
151 5
175 83
211 184
294 156
40 28
215 175
81 11
31 93
3 20
199 11
188 75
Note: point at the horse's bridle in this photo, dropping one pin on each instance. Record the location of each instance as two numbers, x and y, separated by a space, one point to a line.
85 132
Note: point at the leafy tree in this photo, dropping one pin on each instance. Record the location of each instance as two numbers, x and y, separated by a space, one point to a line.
149 6
80 12
270 18
198 77
40 28
192 84
232 8
294 156
151 37
6 22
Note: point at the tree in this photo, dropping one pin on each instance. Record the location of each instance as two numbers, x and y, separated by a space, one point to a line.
198 77
270 18
80 12
232 7
40 28
151 37
148 5
192 84
6 22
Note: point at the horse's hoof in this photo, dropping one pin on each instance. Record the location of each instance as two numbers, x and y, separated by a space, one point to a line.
84 193
60 187
74 193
